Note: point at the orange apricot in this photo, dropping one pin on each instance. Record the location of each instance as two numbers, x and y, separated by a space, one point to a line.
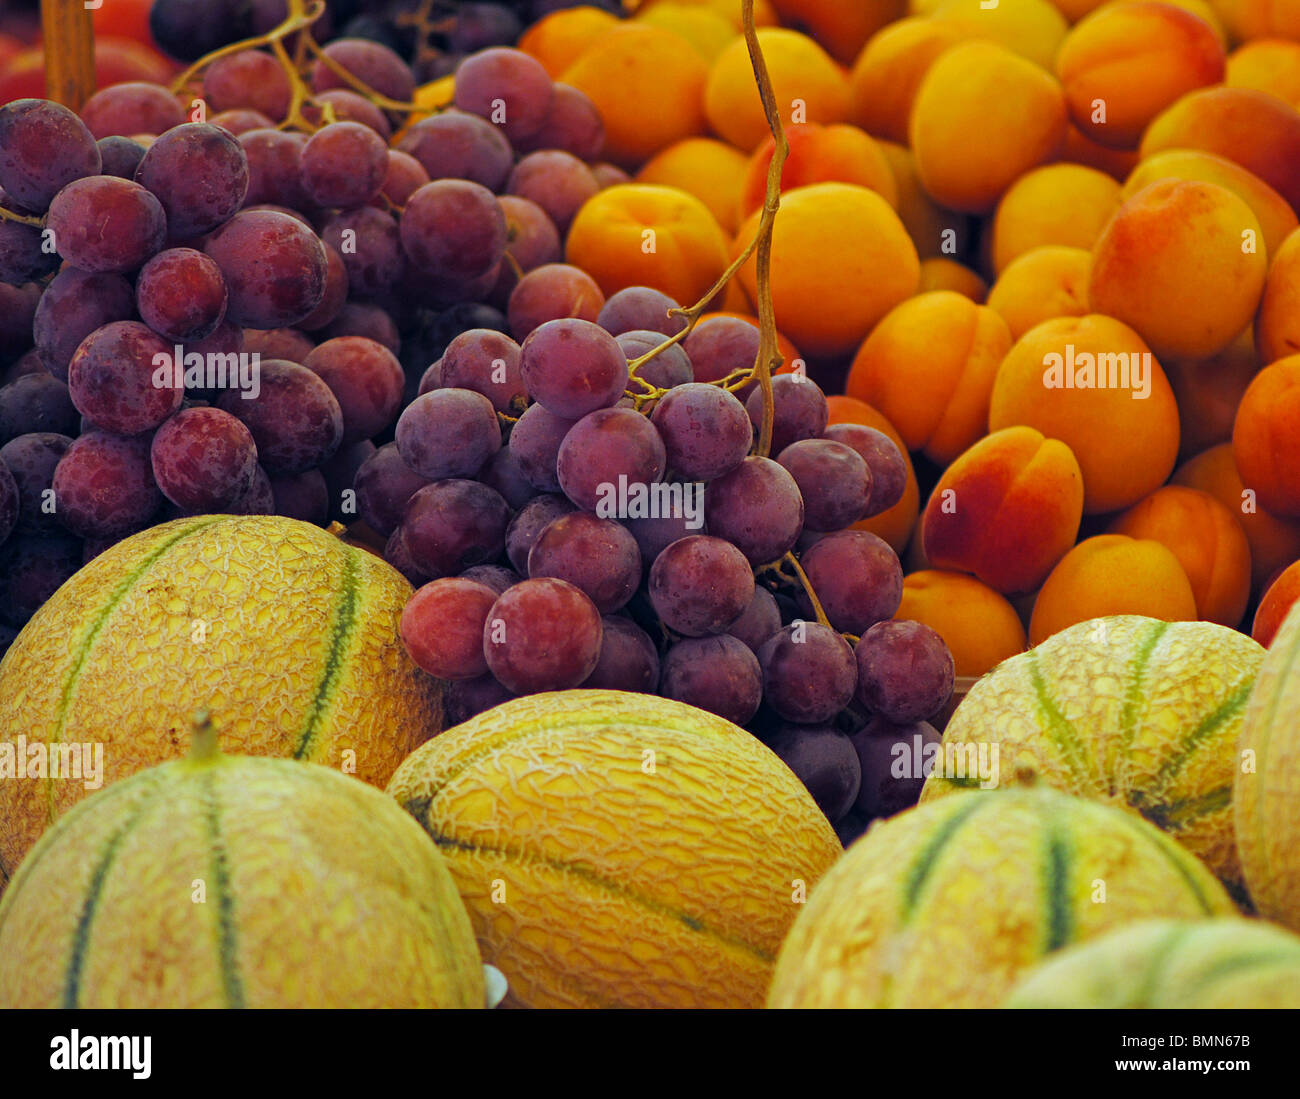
941 273
1247 20
842 26
841 260
934 230
1208 392
889 71
641 234
1092 383
1112 574
1266 437
894 525
1208 542
1007 510
711 170
1268 65
1282 594
1182 262
1057 204
1041 285
708 32
559 39
980 628
1277 325
1034 29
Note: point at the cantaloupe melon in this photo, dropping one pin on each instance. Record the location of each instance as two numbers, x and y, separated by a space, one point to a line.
1130 711
1266 789
235 881
947 904
1227 963
616 849
289 637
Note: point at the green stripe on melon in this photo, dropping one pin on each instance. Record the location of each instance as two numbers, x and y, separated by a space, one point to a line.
1130 711
947 904
223 881
1207 964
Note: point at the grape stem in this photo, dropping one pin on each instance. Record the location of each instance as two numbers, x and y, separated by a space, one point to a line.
791 560
9 215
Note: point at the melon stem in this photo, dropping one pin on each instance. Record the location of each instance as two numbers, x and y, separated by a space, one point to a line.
203 741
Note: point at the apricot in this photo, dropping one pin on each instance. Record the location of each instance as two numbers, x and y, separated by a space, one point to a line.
841 260
820 154
1007 510
929 367
1057 204
1112 574
894 525
1092 383
1081 149
1282 594
809 87
1251 128
1129 60
641 234
1274 542
1277 325
1276 218
559 39
1268 65
940 273
934 230
1041 285
1208 392
634 65
1247 20
980 628
708 32
711 170
1183 263
982 117
1034 29
1208 542
843 26
1266 437
886 76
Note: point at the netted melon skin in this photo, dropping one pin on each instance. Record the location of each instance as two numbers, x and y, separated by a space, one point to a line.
238 882
287 636
620 850
1128 711
945 905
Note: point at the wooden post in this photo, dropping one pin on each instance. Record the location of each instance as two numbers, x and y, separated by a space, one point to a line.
69 50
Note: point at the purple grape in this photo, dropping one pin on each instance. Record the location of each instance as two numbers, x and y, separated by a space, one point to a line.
502 473
366 380
886 461
349 106
372 63
116 382
893 760
43 148
31 460
506 86
136 107
834 481
24 256
905 671
295 420
181 295
552 292
535 442
497 577
36 402
488 363
654 534
628 660
274 268
302 496
456 145
718 674
248 79
442 627
640 309
398 554
340 472
700 585
104 485
857 578
572 125
200 175
758 621
104 224
277 343
121 156
274 160
403 177
705 430
526 527
203 459
808 673
467 698
452 525
453 230
343 164
557 181
542 635
384 484
370 245
32 568
669 368
825 761
757 507
236 122
448 433
597 556
9 502
609 456
367 321
799 410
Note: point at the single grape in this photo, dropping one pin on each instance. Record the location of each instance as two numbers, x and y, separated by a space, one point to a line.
573 125
542 635
403 176
640 309
488 363
573 367
32 568
551 292
758 621
31 460
609 175
181 295
526 527
718 674
825 761
366 380
558 182
506 86
103 224
274 268
467 698
706 431
456 145
808 672
597 556
43 148
367 321
905 671
120 155
249 78
295 420
200 175
236 122
350 107
203 459
857 578
343 164
532 241
24 255
278 343
893 761
104 485
453 230
502 472
18 306
373 64
668 368
719 346
888 467
448 433
115 381
628 660
452 525
36 402
442 627
607 457
834 481
497 577
136 107
274 158
370 244
700 585
799 410
756 507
